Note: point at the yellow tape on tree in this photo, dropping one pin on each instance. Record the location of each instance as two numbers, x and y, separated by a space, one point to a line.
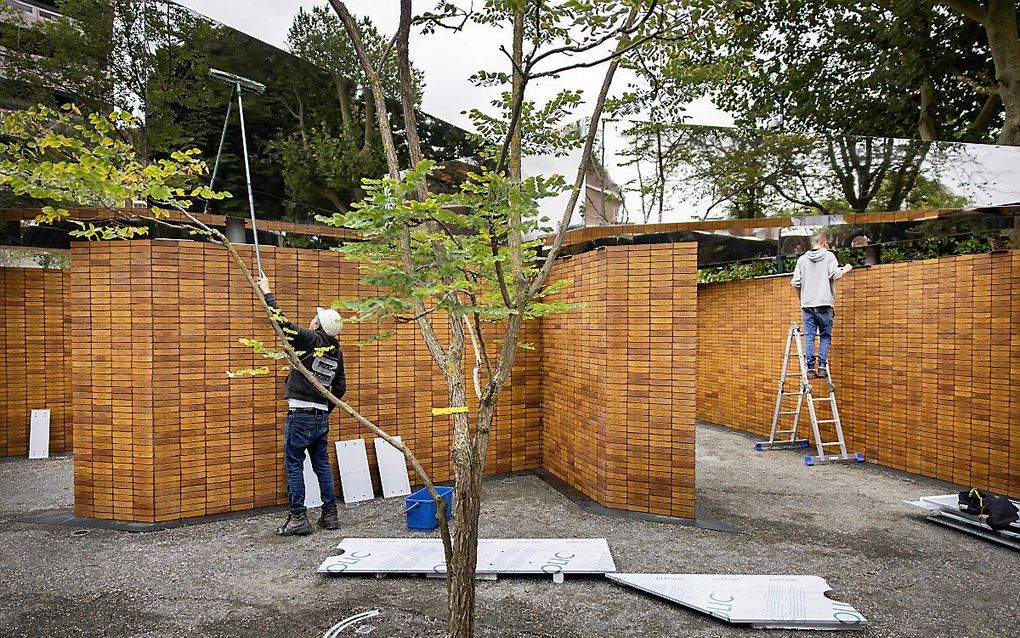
441 411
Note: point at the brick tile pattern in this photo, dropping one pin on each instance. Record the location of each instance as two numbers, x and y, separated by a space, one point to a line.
35 357
618 399
163 434
925 356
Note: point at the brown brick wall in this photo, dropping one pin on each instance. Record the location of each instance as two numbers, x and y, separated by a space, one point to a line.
925 357
35 358
618 399
162 433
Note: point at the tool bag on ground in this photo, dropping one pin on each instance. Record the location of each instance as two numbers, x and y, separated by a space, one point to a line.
1000 510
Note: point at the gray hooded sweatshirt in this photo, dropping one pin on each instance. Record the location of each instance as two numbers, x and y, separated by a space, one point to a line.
815 273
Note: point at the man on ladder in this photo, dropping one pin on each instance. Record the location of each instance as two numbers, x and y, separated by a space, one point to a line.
816 272
815 275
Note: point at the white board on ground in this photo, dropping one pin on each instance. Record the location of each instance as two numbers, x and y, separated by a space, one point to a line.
948 507
355 477
764 602
313 495
551 556
392 469
945 503
950 502
39 435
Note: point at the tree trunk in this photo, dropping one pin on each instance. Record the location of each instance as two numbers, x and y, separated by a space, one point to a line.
1000 22
661 169
518 86
904 174
984 118
343 94
333 199
370 117
407 93
1001 27
926 117
461 570
467 471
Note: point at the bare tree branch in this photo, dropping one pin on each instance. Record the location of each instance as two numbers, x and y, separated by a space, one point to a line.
582 170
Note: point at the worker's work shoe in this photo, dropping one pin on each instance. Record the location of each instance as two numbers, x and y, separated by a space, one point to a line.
329 519
811 367
296 525
822 370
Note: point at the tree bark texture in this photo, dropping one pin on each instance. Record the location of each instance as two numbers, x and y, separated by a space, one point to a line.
461 569
1001 27
999 18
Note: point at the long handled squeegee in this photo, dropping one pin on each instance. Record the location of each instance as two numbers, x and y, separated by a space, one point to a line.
238 83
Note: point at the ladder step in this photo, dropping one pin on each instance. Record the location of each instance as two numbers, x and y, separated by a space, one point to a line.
785 431
826 421
791 394
821 399
833 443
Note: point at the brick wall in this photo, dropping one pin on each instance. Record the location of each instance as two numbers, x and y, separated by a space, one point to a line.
618 403
162 433
35 358
925 357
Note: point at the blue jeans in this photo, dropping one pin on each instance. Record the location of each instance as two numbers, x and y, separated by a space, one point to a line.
307 431
817 321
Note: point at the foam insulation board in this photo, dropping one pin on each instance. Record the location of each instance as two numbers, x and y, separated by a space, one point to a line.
392 469
550 556
763 602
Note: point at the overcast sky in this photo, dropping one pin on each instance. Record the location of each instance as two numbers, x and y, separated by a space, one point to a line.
449 59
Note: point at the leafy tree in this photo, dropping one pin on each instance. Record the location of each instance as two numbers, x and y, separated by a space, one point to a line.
889 68
152 58
927 69
328 155
107 55
809 72
67 157
319 37
736 271
459 259
752 173
444 260
51 60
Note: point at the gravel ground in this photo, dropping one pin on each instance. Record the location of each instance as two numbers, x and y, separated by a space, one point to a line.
235 578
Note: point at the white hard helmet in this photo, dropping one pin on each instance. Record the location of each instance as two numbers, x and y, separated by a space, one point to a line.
329 320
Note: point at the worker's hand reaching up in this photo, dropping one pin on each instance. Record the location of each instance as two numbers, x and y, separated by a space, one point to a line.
846 268
264 285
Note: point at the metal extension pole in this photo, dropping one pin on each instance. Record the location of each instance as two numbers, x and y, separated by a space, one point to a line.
219 151
247 179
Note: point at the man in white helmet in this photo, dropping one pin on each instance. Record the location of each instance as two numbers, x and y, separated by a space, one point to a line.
308 413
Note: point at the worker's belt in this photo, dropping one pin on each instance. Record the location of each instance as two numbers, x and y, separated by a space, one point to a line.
307 411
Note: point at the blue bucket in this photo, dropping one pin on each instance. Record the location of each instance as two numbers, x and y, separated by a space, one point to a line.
421 510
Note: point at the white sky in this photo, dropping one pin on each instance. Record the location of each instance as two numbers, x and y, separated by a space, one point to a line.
449 59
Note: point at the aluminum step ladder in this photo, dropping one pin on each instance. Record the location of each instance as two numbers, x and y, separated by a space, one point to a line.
786 437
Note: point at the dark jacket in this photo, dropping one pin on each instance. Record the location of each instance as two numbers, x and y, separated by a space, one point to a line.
328 367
